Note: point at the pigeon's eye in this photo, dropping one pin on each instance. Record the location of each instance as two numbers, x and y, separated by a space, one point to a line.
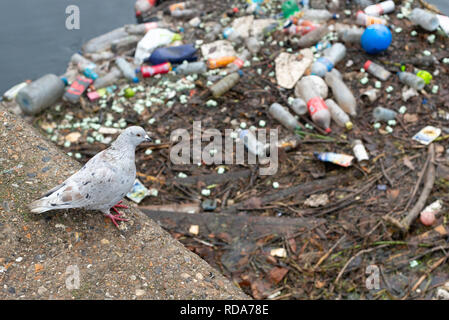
138 135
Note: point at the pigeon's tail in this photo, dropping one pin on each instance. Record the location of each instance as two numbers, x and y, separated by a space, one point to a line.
40 205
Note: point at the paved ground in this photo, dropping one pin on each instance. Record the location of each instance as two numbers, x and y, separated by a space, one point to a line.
41 255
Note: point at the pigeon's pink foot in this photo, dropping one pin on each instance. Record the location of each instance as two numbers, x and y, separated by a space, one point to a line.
118 205
115 218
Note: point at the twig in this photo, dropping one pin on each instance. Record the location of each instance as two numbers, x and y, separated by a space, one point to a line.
328 253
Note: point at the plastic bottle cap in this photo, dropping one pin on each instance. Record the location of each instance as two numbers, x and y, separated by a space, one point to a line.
367 64
240 72
328 130
135 79
348 125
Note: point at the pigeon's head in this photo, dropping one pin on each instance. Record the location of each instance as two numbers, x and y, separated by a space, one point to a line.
134 135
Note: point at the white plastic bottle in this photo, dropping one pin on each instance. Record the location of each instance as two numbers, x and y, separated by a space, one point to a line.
282 115
108 79
127 69
342 93
359 151
380 8
412 80
426 19
352 35
331 58
338 115
299 106
384 114
40 94
318 15
376 70
191 68
365 20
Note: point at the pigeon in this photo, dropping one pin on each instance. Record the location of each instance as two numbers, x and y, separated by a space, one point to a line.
102 182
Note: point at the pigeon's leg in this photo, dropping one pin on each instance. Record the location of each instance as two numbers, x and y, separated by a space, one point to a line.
118 205
115 217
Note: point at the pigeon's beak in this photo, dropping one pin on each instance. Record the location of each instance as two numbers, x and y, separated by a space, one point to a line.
148 139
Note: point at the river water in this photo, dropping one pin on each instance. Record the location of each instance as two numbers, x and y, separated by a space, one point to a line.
34 39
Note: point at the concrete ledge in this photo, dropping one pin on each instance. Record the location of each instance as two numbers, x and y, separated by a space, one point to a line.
41 254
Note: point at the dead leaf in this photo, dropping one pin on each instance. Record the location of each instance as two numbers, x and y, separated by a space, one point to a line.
410 117
277 274
408 163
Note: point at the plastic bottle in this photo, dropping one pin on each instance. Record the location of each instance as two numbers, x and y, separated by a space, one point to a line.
76 89
104 41
359 151
191 68
383 114
82 62
153 38
380 8
149 71
253 45
376 70
426 19
338 115
300 29
185 13
352 35
225 84
105 55
178 6
239 62
332 57
289 8
252 144
40 94
109 79
142 6
127 69
282 115
220 62
318 15
231 35
411 80
312 37
366 20
143 28
299 106
342 94
124 44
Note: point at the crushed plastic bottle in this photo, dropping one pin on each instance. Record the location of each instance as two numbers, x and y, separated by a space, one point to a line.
342 93
299 106
282 115
253 45
384 114
426 19
365 20
376 70
331 58
149 71
191 68
127 69
153 39
338 115
225 84
108 79
380 8
411 80
312 37
40 94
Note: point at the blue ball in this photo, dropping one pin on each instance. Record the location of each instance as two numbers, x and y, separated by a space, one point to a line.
376 38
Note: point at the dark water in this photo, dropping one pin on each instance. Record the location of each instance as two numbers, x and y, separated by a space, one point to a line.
35 41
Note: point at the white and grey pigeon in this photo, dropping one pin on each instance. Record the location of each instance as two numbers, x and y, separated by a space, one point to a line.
102 182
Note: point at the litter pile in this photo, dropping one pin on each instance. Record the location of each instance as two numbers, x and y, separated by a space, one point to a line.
357 93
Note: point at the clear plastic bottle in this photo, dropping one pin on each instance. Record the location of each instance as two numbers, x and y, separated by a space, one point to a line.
282 115
108 79
342 93
426 19
331 58
384 114
377 70
239 62
318 15
252 144
253 45
412 80
225 84
185 13
359 151
81 62
352 35
213 32
143 28
299 106
127 69
365 20
312 37
124 44
103 42
380 8
142 6
105 55
191 68
338 115
40 94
